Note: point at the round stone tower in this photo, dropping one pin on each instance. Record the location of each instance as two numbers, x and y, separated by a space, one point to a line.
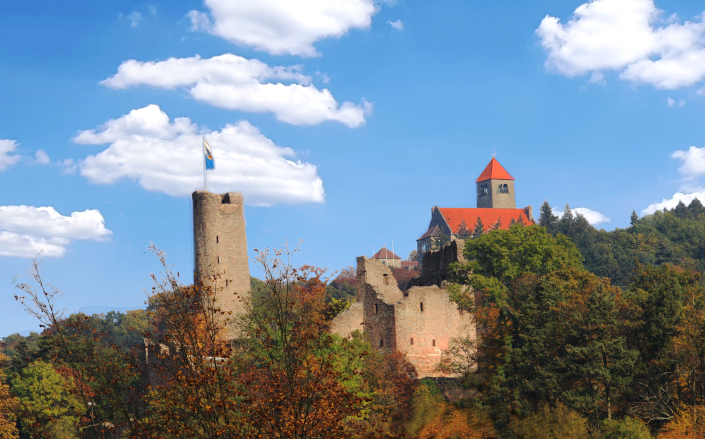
220 247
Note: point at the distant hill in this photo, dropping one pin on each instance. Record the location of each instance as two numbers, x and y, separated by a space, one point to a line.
90 310
675 236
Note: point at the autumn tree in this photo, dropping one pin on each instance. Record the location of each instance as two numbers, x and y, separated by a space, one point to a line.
9 407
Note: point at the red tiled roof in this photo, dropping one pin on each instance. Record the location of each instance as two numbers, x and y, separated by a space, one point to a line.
385 254
409 263
454 216
430 232
494 171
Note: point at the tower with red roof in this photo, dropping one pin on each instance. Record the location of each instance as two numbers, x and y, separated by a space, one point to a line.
495 187
496 209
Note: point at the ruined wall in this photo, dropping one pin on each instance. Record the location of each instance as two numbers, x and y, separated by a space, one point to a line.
435 264
345 323
220 247
378 291
426 319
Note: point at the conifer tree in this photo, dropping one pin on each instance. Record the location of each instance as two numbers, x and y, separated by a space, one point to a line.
634 218
497 225
547 219
479 228
681 211
696 207
463 231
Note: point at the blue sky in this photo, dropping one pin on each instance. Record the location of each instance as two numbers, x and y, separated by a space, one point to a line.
343 123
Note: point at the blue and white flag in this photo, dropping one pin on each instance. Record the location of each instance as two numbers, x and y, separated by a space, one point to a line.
210 163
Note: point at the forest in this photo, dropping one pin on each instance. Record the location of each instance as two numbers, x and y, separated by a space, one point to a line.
583 333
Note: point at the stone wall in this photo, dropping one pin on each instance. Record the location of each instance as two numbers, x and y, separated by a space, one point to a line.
348 321
435 264
378 291
220 247
426 319
494 198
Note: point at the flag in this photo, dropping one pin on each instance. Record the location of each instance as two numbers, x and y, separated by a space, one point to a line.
210 163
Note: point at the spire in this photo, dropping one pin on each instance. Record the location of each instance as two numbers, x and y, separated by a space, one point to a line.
494 171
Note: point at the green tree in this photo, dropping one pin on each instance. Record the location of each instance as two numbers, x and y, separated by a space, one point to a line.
627 428
46 406
634 218
547 219
551 423
479 229
463 231
440 239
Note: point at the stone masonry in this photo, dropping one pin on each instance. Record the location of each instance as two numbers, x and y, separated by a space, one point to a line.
220 247
434 266
496 194
419 324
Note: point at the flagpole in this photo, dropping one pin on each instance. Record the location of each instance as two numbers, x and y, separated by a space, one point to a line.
205 179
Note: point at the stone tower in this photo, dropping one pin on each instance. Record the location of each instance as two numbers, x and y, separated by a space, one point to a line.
220 247
495 187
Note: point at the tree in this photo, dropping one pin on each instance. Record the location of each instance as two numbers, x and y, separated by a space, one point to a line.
547 219
8 407
551 423
479 229
413 255
496 225
463 231
441 239
46 406
634 218
696 207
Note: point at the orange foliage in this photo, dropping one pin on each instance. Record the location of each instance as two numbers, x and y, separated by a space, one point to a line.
8 408
683 427
452 423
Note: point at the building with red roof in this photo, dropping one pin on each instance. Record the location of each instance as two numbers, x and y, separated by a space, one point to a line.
496 209
388 258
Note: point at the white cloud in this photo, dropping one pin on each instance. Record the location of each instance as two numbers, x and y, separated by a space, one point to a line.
396 24
282 26
27 231
670 101
42 157
7 160
135 18
673 201
167 157
692 168
622 35
693 162
592 216
236 83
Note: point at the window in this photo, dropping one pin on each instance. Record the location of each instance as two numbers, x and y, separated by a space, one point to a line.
411 341
483 190
218 259
385 276
216 239
376 309
421 306
433 342
381 343
226 282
